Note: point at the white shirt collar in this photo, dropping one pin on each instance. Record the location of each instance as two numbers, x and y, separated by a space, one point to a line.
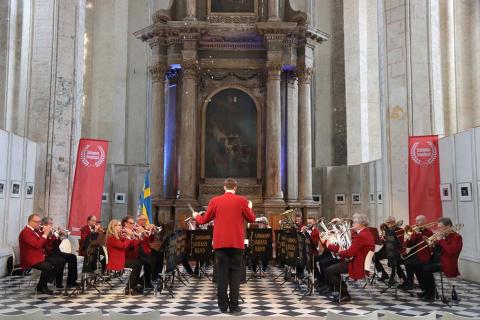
28 226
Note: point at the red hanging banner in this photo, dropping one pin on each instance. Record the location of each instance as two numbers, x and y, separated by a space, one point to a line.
88 183
424 178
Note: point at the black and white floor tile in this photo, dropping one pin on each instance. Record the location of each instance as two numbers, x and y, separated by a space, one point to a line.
262 297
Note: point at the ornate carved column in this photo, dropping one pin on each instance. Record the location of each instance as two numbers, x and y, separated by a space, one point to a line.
157 129
188 135
304 135
273 10
273 132
292 137
191 13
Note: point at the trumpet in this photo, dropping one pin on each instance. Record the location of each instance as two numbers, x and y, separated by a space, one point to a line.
429 241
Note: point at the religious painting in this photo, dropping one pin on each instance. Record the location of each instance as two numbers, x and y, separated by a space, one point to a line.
231 135
223 7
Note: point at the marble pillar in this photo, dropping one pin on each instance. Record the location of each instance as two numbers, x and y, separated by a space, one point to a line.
187 145
304 135
273 10
273 190
157 129
292 138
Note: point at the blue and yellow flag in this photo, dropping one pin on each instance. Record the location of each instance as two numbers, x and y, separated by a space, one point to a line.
145 202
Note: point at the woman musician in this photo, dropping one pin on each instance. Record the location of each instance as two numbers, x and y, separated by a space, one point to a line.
118 242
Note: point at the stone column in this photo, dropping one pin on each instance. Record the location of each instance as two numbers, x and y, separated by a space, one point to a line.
273 13
304 135
292 138
188 136
157 129
191 13
273 132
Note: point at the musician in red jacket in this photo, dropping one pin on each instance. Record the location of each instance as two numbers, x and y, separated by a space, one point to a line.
362 243
414 264
118 241
229 212
52 249
32 252
145 252
445 258
90 230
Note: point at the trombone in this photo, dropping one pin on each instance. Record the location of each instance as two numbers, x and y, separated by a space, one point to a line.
427 242
409 230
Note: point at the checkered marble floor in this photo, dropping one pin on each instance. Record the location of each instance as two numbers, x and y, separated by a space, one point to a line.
262 297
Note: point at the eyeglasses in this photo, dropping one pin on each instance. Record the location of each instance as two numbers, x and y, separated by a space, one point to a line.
130 222
37 221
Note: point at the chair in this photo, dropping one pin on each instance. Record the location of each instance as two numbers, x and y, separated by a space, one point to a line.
394 316
451 316
125 272
35 315
152 315
94 315
336 316
367 267
15 268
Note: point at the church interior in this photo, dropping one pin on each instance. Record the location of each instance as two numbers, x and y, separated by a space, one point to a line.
319 109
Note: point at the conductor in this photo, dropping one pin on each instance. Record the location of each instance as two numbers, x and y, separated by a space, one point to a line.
229 212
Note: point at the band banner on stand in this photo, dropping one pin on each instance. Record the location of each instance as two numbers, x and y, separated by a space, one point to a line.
88 183
424 178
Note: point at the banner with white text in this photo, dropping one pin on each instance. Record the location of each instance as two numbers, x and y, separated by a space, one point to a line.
88 183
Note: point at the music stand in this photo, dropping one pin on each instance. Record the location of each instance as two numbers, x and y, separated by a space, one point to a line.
309 264
263 253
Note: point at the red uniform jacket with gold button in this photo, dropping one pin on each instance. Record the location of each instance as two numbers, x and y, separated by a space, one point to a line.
451 248
31 248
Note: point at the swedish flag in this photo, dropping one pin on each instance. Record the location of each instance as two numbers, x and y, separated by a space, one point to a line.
145 202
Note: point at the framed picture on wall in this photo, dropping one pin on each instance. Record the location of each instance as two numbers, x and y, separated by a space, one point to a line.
119 197
2 189
317 198
356 198
29 190
379 197
105 197
446 192
465 191
15 190
340 198
371 197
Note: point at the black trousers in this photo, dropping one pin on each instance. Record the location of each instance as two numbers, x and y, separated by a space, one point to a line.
147 263
228 263
157 259
427 280
47 269
324 261
136 266
413 266
333 276
394 264
62 259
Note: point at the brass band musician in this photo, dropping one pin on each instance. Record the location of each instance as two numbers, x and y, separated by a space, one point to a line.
362 243
261 223
52 249
392 238
414 264
446 251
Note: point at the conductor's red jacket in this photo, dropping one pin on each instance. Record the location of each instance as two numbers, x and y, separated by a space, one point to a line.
229 212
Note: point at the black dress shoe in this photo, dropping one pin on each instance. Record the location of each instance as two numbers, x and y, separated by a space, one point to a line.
235 309
429 297
73 285
421 294
45 291
346 298
223 309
